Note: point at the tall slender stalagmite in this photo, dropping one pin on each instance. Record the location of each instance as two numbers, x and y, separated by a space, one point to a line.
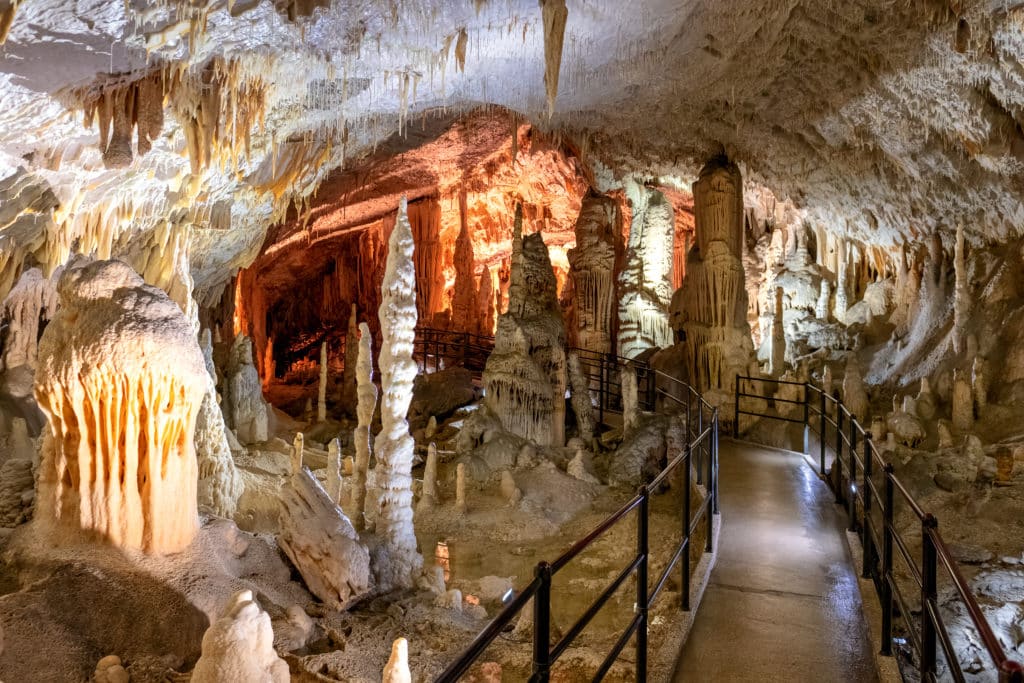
321 399
367 403
397 561
348 377
961 298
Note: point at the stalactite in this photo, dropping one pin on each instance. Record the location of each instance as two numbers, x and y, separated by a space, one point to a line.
398 561
554 15
102 373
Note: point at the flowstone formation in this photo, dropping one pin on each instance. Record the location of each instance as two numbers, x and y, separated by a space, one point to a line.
592 269
219 483
645 283
118 461
526 375
714 306
396 562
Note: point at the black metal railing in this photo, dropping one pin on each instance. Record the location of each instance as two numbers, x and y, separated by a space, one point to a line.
867 484
436 349
701 447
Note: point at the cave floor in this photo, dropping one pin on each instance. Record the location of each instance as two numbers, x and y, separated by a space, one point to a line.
782 603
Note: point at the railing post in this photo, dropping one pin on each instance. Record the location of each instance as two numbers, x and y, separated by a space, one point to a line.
869 542
542 624
685 559
713 504
821 434
852 511
736 412
600 389
642 549
715 463
807 420
886 597
837 464
929 592
700 430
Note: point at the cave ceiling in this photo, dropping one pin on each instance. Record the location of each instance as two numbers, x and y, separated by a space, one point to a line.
886 120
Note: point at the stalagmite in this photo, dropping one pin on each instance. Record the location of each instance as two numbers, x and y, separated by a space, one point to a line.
349 378
397 668
777 357
823 300
979 385
321 400
322 543
592 268
460 488
961 296
842 301
630 400
464 303
219 484
334 468
718 345
298 446
963 402
526 375
487 311
855 396
398 562
509 490
428 499
582 405
645 283
133 482
239 646
367 403
554 15
926 409
827 380
249 412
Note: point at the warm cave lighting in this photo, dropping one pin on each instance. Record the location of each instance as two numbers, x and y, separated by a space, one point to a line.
292 294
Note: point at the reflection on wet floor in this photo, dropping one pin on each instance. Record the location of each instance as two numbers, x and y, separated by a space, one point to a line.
782 603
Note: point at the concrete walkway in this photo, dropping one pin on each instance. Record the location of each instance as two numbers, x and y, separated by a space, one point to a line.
782 603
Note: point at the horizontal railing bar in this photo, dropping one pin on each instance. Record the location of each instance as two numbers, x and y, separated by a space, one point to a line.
952 663
487 636
698 517
606 665
908 557
768 380
906 614
685 455
791 401
684 545
582 544
990 640
594 608
773 417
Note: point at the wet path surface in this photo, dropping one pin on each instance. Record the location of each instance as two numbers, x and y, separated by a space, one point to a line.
782 603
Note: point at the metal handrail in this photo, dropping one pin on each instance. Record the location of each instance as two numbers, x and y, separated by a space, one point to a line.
539 590
932 634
